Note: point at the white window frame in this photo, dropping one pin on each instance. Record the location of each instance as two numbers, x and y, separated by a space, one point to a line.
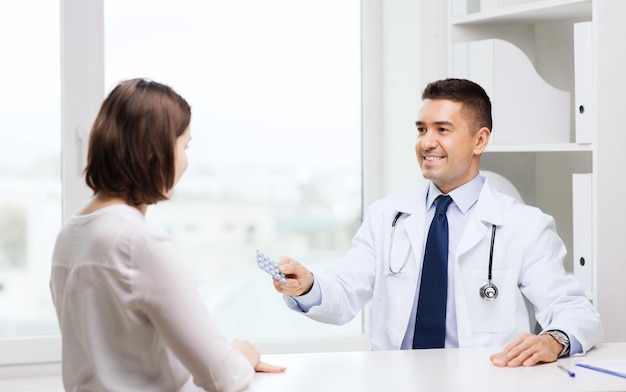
82 91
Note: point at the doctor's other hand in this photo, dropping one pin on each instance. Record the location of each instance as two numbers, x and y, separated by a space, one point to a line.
254 357
528 350
299 279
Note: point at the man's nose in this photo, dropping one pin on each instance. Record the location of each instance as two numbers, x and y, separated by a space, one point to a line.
428 139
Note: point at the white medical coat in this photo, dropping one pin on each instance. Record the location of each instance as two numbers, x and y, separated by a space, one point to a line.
527 263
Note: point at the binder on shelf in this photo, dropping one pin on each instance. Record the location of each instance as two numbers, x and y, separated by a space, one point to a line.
526 109
509 3
464 7
488 5
582 205
583 79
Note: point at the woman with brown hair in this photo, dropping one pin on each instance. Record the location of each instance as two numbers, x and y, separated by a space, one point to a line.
130 319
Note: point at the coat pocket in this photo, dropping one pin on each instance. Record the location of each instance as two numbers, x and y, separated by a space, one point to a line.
499 314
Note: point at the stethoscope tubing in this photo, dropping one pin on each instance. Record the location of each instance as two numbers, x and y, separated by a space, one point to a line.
482 292
391 240
493 240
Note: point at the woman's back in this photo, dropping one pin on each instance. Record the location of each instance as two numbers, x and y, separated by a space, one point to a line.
110 276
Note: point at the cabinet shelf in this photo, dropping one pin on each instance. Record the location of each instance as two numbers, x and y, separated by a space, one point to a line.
533 12
556 147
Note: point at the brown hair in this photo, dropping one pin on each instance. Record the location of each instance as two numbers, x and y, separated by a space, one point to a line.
475 101
133 140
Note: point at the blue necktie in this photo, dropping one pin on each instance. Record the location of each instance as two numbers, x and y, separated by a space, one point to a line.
430 322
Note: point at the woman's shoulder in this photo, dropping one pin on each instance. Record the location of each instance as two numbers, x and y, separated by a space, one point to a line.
118 227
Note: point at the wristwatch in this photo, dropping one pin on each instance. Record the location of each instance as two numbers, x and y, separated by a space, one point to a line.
560 337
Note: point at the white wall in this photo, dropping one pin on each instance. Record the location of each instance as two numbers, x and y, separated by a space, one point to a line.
414 52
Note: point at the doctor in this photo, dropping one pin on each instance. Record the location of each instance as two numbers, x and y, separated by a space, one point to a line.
384 265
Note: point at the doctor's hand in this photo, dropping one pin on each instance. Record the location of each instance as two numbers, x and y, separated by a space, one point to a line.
528 350
299 279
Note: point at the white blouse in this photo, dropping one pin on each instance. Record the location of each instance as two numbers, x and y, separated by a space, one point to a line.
130 319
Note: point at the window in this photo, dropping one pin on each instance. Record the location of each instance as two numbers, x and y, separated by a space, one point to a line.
30 164
275 159
276 163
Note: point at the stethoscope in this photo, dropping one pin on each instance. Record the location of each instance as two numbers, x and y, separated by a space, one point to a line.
488 291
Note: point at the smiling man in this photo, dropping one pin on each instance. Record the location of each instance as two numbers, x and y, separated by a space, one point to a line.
453 262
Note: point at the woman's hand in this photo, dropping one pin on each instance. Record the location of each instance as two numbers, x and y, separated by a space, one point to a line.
254 357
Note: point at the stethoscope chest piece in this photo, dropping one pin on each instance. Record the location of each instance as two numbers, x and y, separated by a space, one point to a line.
488 292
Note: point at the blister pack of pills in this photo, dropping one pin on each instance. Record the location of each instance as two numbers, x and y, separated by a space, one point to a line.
270 266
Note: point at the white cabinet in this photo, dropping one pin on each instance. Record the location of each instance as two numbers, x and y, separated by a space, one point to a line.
542 150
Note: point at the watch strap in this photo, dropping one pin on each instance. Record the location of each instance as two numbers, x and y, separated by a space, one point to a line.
560 337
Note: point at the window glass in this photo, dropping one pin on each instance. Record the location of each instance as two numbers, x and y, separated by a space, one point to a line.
275 159
30 153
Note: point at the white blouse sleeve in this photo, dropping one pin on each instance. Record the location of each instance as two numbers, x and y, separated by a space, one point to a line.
173 304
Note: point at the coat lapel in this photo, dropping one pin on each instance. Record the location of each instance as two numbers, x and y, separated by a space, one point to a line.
414 204
488 211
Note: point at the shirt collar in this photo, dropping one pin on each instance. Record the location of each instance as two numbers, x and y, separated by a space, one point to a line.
464 196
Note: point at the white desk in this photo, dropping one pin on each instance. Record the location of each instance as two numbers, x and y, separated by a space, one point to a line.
398 371
433 370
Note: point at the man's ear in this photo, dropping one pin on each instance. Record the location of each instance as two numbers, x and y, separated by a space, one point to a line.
482 139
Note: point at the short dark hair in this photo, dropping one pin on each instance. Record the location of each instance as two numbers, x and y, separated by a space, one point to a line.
133 139
475 101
